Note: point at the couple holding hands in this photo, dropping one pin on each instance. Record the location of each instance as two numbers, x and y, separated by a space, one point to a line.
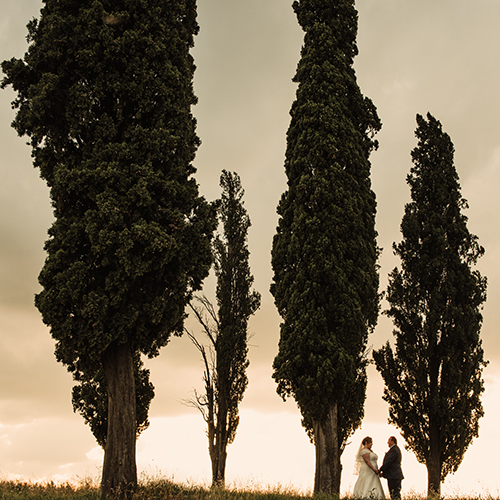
368 484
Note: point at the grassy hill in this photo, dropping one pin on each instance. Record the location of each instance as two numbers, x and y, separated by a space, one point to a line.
162 489
154 489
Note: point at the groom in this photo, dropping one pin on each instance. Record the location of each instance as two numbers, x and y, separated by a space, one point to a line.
391 469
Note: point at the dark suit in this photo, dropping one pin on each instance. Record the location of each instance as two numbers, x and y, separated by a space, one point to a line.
391 470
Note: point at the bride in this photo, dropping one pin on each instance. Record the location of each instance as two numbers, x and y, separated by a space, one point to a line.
368 484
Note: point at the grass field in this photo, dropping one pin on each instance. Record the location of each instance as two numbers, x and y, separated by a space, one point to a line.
153 489
161 489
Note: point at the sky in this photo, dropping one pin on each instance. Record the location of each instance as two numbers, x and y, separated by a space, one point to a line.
414 57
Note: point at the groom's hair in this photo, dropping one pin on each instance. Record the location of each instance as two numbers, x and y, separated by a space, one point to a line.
394 440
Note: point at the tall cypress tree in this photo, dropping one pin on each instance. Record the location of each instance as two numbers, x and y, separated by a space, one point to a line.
433 378
226 359
324 253
105 94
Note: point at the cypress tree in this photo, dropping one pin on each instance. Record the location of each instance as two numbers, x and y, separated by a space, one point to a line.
226 359
324 253
433 377
105 93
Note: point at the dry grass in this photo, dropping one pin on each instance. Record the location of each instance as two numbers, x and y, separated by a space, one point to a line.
151 489
163 489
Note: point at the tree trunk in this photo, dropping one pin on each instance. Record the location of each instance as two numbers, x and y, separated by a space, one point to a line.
433 479
119 472
218 451
328 467
433 463
218 458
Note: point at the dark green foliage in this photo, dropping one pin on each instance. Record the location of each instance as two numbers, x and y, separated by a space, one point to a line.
433 377
235 299
226 360
105 93
90 399
324 253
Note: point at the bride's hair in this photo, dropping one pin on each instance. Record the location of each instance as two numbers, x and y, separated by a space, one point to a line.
358 459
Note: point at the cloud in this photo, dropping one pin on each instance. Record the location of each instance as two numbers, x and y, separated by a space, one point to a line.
51 448
32 384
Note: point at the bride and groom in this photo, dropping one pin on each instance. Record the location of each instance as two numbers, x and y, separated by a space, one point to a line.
368 484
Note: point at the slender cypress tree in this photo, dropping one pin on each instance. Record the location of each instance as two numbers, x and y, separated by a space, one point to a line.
105 94
226 359
324 253
433 378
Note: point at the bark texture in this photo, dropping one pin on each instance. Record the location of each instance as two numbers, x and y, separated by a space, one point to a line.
218 455
218 441
434 464
328 467
119 473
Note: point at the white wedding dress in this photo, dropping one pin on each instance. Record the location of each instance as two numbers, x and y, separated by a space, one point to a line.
368 484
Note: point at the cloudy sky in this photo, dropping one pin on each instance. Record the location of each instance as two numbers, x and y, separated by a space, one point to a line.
415 57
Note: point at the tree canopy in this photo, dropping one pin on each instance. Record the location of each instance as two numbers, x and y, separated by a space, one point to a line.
433 375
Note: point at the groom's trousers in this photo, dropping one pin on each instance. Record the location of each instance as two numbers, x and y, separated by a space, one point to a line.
394 486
